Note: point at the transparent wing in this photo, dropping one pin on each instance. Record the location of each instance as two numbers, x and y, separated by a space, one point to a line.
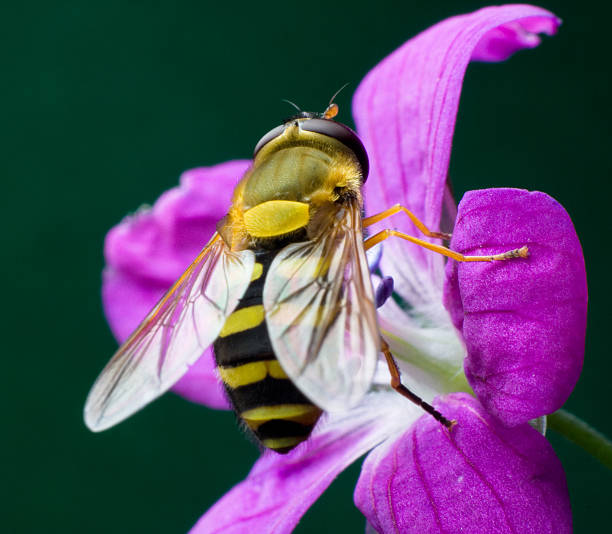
321 315
172 337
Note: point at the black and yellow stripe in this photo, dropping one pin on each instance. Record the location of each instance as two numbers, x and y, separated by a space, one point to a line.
274 410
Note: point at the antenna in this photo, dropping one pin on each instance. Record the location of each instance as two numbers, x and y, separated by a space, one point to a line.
292 104
332 108
331 100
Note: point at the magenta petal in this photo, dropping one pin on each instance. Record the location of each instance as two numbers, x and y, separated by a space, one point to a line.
202 385
500 43
524 320
482 477
405 110
160 243
149 250
126 301
280 488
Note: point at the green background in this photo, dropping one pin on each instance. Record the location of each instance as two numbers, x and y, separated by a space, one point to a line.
105 103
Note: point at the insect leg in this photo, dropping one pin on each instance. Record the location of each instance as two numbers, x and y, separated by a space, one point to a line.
522 252
367 221
396 384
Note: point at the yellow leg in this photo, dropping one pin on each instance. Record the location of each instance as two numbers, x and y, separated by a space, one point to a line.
417 222
522 252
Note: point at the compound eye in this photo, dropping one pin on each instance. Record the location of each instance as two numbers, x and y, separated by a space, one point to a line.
327 127
272 134
341 133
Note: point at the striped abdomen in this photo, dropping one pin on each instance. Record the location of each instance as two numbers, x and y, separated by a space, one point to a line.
266 400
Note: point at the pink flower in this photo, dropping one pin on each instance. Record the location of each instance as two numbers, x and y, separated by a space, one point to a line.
510 332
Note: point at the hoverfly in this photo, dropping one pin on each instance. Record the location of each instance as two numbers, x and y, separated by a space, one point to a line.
282 290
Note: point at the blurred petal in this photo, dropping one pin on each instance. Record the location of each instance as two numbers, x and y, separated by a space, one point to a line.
127 299
202 385
149 250
524 320
405 112
280 488
160 243
482 477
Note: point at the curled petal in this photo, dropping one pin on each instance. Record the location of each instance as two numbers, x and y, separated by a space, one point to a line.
480 477
280 488
405 111
523 320
149 250
501 42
